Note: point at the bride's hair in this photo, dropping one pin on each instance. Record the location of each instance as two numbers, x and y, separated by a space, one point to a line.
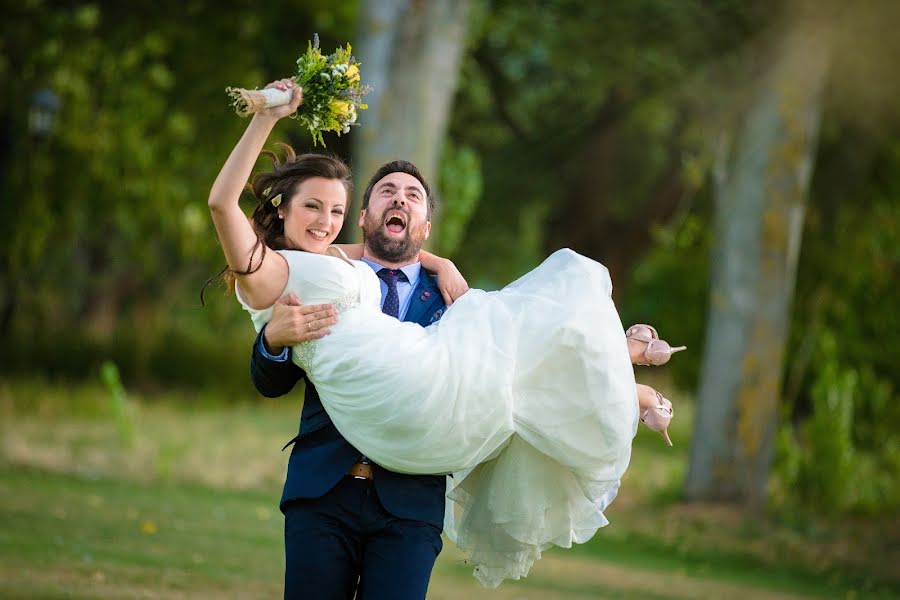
280 184
283 180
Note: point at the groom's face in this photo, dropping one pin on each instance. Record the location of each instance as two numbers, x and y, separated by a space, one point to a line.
395 224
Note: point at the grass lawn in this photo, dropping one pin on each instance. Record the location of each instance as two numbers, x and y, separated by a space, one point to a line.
187 508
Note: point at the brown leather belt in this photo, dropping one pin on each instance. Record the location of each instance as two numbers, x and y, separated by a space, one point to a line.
361 471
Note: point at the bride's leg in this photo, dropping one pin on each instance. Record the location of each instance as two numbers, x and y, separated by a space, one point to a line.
636 351
655 410
647 397
646 348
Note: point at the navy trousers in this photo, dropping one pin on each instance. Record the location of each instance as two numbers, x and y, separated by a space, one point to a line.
346 543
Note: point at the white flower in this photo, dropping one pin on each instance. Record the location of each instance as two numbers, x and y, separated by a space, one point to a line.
326 76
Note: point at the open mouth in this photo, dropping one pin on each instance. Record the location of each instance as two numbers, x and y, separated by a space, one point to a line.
318 233
395 222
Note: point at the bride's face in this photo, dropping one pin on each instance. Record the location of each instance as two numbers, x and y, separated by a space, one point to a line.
315 214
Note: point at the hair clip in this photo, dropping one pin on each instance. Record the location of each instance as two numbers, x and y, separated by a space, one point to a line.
276 200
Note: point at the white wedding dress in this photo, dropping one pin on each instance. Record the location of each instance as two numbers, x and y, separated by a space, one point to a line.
526 395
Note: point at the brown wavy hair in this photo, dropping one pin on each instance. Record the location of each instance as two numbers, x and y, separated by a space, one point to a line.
284 178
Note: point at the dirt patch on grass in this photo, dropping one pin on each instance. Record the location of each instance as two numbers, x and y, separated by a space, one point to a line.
566 577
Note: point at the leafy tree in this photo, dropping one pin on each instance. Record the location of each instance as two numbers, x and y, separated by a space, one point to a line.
108 233
588 124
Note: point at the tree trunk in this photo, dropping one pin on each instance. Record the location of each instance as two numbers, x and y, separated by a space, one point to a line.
410 51
760 205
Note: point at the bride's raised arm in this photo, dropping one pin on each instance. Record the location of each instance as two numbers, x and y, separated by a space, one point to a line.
261 274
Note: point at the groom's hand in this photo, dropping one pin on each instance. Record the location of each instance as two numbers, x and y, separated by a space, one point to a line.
293 323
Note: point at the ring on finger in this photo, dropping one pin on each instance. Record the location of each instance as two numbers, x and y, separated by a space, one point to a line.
309 326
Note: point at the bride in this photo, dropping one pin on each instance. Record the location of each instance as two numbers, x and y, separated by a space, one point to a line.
526 395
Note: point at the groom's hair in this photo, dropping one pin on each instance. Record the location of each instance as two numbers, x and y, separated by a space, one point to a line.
400 166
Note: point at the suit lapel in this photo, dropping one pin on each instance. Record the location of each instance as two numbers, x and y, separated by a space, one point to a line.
426 304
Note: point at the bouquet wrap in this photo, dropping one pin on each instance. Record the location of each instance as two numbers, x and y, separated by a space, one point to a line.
247 102
332 92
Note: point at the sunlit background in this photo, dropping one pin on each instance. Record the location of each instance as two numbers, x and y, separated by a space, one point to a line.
736 165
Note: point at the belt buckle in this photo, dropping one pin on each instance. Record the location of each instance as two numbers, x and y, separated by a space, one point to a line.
364 469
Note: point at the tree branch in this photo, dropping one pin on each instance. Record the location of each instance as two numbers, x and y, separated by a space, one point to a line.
498 85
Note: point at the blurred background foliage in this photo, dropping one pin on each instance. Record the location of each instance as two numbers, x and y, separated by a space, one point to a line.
588 125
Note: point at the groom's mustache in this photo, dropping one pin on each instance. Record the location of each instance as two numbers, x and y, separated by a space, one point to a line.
395 249
395 209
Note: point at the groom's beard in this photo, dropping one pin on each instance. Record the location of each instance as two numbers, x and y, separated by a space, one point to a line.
393 250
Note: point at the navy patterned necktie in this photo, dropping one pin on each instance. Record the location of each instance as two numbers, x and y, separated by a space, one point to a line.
391 304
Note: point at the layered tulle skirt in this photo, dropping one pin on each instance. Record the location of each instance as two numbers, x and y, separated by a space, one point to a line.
526 396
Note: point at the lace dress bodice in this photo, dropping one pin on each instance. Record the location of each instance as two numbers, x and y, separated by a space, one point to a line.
324 279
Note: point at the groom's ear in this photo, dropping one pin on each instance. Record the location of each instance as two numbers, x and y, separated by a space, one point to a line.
362 217
427 229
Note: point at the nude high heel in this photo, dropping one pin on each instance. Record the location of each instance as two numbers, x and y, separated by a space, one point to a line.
658 417
658 352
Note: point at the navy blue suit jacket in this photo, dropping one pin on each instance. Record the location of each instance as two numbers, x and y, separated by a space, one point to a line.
321 456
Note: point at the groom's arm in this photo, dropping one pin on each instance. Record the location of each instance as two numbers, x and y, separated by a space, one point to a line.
271 368
273 374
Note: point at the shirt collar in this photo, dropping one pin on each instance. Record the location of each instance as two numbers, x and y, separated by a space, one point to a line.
412 271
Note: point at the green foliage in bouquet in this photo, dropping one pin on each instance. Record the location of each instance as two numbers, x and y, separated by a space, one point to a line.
332 91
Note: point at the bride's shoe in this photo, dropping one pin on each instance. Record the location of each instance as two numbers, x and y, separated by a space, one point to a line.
658 352
658 416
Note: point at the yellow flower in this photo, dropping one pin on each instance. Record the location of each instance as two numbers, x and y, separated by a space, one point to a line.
352 73
340 107
149 527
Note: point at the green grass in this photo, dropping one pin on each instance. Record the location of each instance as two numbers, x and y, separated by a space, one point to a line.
188 509
70 536
130 536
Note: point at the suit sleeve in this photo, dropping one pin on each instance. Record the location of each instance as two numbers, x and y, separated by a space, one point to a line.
272 378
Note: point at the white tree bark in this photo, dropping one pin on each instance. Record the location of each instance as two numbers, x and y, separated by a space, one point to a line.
411 51
761 189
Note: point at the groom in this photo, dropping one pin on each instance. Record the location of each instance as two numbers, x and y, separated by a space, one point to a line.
350 525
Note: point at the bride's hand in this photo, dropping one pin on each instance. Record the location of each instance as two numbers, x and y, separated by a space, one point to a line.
277 112
451 283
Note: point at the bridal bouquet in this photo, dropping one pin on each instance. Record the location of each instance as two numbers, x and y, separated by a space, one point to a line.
332 92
